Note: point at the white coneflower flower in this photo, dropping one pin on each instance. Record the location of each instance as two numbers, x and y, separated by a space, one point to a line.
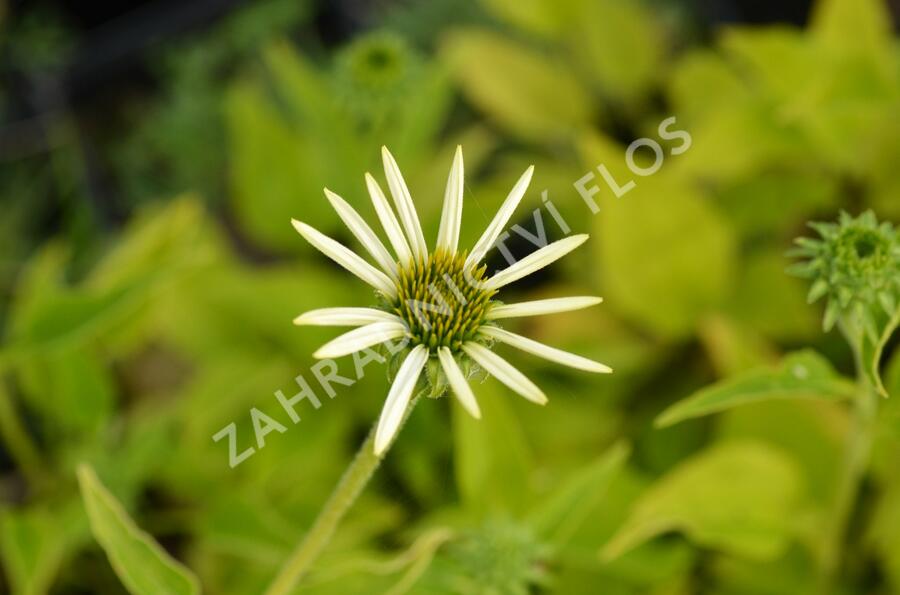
441 302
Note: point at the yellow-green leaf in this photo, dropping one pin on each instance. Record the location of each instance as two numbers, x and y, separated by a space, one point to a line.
853 24
801 375
269 180
491 458
738 497
33 544
621 43
559 515
666 256
541 17
139 561
528 93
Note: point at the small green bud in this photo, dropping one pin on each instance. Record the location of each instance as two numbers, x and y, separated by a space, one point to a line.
855 265
374 72
501 558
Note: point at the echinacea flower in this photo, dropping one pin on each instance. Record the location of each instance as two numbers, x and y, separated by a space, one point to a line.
440 302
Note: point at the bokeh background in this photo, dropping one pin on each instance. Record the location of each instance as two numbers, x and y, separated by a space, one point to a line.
153 153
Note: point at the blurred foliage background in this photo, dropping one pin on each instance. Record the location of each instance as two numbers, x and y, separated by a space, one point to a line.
152 155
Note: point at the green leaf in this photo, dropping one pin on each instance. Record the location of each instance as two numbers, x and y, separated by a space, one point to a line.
270 178
889 417
17 441
766 142
812 433
777 202
884 532
324 131
702 82
666 256
733 348
141 564
310 99
853 25
541 17
159 244
738 497
33 545
160 241
778 60
621 44
790 574
82 388
560 514
801 375
66 318
491 458
529 94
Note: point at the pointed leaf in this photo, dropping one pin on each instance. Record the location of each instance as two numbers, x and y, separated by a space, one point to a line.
801 375
491 457
33 544
139 561
738 497
559 515
522 90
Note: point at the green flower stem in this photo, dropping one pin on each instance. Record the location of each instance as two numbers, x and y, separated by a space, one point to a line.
853 469
348 489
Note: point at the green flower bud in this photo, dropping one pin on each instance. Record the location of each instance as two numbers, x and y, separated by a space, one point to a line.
374 73
500 558
855 266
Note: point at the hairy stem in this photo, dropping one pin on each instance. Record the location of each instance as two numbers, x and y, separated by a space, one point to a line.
852 471
348 489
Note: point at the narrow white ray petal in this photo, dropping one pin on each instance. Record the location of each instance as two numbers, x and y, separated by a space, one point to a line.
398 398
360 338
535 261
540 307
388 220
458 382
347 259
451 218
344 317
503 371
362 232
405 207
545 351
490 235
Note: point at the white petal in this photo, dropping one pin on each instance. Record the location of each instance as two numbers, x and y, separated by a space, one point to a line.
545 351
451 218
535 261
458 382
388 220
347 259
540 307
360 338
362 232
398 398
405 207
490 235
503 371
344 317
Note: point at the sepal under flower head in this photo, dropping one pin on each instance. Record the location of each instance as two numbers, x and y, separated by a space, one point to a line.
855 266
